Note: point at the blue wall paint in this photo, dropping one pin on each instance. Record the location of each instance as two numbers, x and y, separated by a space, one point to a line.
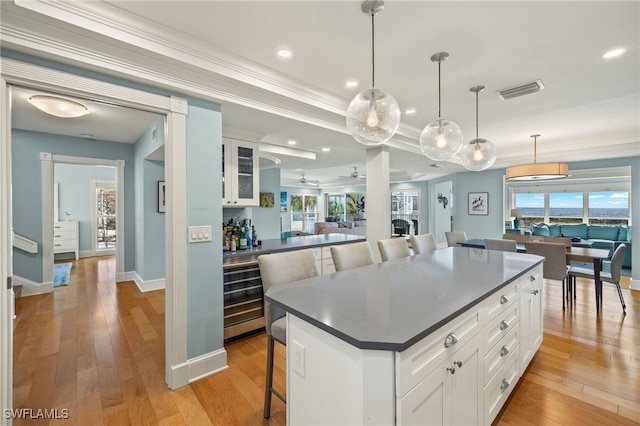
75 198
150 234
267 219
204 207
27 190
478 226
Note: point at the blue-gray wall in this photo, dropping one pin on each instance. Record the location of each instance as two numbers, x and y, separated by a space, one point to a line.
150 234
75 198
27 190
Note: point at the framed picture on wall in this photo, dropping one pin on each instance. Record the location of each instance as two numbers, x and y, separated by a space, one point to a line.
479 203
161 197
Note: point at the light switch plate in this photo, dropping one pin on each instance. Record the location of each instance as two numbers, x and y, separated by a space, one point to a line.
199 234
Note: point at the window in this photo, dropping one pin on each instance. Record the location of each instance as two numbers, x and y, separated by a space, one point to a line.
105 199
566 207
609 208
303 212
597 203
405 205
335 206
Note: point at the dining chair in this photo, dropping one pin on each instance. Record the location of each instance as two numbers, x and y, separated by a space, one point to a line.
555 262
400 226
612 277
455 237
500 245
349 256
393 248
278 269
518 238
423 243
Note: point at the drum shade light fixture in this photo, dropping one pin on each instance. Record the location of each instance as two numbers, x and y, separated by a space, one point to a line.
441 139
479 154
537 171
59 107
373 116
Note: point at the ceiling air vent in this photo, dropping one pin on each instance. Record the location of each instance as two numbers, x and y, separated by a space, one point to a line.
523 89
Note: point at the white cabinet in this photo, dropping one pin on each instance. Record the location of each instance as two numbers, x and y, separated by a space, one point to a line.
240 173
65 237
530 316
450 395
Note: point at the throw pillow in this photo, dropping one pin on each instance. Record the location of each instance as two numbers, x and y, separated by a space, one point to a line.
540 229
579 230
554 230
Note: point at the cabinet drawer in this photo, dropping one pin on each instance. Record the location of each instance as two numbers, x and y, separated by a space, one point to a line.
65 226
417 362
64 234
500 301
64 245
500 353
500 387
500 326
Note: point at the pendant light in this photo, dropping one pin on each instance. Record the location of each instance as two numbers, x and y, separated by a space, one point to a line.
479 154
441 139
537 171
373 116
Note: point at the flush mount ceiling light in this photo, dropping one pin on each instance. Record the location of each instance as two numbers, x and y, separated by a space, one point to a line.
537 171
59 107
441 139
479 154
373 116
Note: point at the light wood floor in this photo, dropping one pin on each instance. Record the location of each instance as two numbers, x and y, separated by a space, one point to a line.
96 348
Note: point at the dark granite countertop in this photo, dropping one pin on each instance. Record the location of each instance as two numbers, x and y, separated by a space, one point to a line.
289 243
392 305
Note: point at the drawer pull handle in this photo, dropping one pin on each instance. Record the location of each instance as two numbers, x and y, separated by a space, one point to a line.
452 370
504 384
504 325
534 292
503 300
450 340
504 351
57 245
532 278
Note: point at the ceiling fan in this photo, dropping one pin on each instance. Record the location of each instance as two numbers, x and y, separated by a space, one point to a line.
304 181
355 175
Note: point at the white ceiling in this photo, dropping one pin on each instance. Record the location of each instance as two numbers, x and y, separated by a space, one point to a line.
226 52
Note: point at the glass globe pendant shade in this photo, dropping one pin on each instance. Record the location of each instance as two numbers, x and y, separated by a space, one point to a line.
441 139
373 117
479 154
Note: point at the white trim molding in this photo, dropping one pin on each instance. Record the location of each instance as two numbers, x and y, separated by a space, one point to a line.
201 366
634 284
148 285
31 288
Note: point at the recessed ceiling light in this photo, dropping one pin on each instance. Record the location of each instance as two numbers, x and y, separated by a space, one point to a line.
284 53
291 142
410 111
326 149
613 53
59 107
351 83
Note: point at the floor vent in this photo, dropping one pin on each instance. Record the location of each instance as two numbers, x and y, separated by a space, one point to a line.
521 90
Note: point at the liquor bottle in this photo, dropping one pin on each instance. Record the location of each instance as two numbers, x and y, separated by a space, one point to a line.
243 238
254 236
247 230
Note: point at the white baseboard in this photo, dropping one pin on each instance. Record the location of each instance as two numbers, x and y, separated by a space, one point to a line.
31 288
95 253
634 284
198 368
148 285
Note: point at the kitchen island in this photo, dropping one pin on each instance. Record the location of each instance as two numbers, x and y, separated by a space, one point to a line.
243 296
437 338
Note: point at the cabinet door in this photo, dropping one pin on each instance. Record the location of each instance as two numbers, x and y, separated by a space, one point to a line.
429 403
466 386
530 317
244 160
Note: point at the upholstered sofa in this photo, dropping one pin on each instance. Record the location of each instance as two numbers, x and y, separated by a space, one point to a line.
357 228
602 236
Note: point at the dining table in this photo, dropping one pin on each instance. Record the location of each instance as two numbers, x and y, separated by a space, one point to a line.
574 254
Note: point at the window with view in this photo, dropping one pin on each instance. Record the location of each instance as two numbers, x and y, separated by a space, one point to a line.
105 216
303 212
609 208
566 207
532 207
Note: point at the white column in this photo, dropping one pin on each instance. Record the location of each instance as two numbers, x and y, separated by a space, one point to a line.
378 199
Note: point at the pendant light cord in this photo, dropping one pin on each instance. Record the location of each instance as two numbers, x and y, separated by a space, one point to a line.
373 52
439 64
476 115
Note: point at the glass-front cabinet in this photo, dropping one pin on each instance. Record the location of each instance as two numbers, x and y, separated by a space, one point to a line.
240 173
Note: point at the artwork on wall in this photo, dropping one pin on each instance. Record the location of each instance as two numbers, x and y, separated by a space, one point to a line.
479 203
161 197
266 199
283 202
